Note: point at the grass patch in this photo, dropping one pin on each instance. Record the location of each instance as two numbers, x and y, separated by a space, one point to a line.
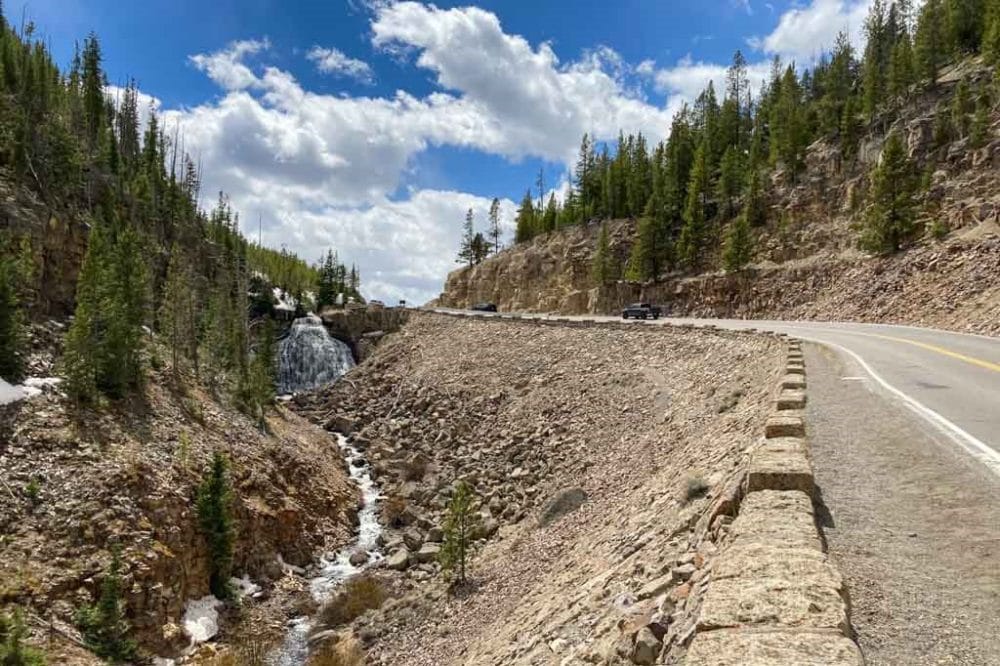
696 486
359 594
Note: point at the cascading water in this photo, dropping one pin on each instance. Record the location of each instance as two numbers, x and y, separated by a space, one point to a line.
335 570
309 357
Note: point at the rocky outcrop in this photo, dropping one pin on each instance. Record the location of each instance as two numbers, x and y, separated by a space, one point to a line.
361 329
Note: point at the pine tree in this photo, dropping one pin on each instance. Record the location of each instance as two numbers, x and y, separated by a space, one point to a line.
466 253
12 333
93 83
13 632
991 34
877 53
788 132
730 181
525 220
961 107
981 120
257 385
178 312
215 517
104 625
480 248
850 129
458 529
929 42
494 218
737 247
889 218
753 200
690 243
550 215
603 264
965 20
82 359
901 68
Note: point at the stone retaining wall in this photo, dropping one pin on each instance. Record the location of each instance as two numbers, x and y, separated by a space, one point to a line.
773 597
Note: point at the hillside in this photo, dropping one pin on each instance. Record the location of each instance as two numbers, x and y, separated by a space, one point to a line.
805 259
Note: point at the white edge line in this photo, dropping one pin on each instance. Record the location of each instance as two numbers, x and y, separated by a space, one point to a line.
973 446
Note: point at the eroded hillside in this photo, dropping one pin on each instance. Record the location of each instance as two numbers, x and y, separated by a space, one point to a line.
592 453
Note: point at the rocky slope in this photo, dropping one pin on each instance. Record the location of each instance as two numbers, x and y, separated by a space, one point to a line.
598 458
805 261
74 482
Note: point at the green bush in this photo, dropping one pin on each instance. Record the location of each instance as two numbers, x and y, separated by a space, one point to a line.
359 594
104 626
215 517
13 651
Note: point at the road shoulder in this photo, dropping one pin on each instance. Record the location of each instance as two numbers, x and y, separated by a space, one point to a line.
912 522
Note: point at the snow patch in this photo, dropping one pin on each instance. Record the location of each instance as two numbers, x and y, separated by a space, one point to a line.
9 394
201 618
244 587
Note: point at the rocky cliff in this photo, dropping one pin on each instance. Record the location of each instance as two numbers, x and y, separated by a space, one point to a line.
805 263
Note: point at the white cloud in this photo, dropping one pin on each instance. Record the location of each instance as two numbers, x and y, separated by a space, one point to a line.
744 5
686 80
323 170
803 33
226 67
530 102
335 61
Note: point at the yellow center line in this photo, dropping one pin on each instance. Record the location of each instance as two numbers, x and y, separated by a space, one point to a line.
941 350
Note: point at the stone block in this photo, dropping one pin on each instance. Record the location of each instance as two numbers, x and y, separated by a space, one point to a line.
781 464
734 647
793 368
784 424
776 518
795 382
790 399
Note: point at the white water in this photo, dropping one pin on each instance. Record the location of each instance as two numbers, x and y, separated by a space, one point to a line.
309 357
336 569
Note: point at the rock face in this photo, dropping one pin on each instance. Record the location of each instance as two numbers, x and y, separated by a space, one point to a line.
114 478
806 264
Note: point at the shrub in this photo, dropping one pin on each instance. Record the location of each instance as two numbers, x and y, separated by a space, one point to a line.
344 653
458 529
13 651
104 626
393 509
695 487
215 517
34 492
359 594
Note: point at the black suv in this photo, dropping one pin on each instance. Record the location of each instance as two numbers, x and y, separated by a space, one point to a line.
484 307
641 311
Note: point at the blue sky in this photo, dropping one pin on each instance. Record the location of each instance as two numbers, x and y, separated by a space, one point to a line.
371 126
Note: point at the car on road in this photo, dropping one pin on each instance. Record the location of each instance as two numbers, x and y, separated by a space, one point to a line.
641 311
484 307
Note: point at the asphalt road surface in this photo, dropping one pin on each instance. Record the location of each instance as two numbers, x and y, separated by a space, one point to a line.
951 380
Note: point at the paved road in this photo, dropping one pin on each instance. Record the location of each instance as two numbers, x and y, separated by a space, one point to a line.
951 380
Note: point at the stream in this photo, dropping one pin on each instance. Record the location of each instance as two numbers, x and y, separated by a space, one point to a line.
309 357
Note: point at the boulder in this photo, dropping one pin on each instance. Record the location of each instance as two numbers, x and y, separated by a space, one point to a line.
413 539
398 560
646 648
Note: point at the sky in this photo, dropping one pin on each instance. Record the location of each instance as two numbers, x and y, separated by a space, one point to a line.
370 126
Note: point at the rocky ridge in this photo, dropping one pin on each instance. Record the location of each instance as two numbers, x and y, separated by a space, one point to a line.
805 263
600 457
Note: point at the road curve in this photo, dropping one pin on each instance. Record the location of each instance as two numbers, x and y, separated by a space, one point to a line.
952 380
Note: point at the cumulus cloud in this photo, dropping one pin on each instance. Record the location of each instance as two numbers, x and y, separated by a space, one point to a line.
226 67
803 33
527 101
335 61
683 82
322 170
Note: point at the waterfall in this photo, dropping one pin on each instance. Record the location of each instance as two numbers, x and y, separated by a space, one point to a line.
309 357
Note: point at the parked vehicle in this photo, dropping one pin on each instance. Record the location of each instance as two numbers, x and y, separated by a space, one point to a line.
484 307
641 311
